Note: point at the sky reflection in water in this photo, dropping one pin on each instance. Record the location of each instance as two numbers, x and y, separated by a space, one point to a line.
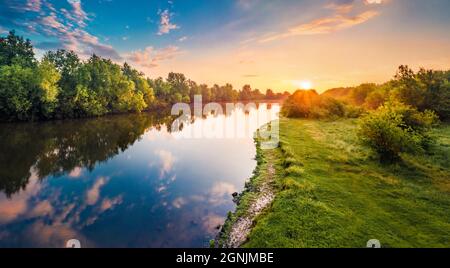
120 181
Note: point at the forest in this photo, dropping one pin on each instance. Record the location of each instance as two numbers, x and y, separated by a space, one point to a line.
61 85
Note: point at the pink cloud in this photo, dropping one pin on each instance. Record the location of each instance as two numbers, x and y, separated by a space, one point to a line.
79 15
34 5
76 172
150 57
165 25
93 194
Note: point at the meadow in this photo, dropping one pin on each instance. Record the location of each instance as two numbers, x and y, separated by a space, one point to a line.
332 192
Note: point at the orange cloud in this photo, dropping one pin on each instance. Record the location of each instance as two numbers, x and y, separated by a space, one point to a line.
323 25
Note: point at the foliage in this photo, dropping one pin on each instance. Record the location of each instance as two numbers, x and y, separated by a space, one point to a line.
61 85
309 104
14 50
300 104
17 92
68 64
48 88
360 93
396 128
424 90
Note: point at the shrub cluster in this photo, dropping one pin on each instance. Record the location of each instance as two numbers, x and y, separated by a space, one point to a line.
395 128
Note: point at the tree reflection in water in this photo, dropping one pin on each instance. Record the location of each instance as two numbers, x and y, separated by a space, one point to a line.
57 148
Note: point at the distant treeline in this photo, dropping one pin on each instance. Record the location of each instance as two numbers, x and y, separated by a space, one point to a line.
395 117
61 85
422 90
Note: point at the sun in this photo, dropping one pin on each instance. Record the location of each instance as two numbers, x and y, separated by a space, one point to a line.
304 84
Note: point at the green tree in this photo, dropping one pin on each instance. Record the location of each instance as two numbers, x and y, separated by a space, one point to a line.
17 90
16 50
162 91
68 64
206 93
425 90
141 85
407 88
360 93
437 91
178 84
48 88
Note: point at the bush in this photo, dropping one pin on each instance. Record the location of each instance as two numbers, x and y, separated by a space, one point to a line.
396 128
353 111
328 108
309 104
300 104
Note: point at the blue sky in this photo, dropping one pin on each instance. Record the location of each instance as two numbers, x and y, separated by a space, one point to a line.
269 44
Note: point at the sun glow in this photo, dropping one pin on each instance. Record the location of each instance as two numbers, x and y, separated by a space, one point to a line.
303 84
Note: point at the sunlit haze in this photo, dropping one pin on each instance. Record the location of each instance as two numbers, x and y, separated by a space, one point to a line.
262 43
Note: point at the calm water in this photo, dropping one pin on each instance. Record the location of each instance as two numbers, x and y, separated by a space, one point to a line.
120 181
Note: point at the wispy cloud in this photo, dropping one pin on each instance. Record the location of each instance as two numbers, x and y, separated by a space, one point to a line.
34 5
151 57
247 4
79 15
167 162
64 27
341 6
93 194
165 24
340 19
182 39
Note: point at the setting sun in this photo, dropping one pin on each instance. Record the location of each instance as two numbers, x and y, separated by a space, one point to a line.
303 84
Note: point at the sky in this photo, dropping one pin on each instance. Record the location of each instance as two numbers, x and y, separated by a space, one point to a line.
277 44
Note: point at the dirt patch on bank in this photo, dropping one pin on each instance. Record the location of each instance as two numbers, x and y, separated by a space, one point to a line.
242 227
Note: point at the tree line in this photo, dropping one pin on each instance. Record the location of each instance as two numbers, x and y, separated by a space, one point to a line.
394 118
61 85
424 90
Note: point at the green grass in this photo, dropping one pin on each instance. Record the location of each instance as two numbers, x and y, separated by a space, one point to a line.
333 193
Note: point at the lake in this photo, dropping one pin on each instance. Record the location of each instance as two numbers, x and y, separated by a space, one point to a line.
125 180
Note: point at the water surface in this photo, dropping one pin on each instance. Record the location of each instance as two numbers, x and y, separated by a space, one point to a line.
121 181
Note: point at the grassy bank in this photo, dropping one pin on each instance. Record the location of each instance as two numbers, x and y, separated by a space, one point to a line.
330 192
261 185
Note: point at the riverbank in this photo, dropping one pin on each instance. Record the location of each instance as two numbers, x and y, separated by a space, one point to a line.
257 196
329 192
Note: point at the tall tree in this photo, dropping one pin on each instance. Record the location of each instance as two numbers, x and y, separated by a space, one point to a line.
48 89
16 50
68 64
141 84
17 89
